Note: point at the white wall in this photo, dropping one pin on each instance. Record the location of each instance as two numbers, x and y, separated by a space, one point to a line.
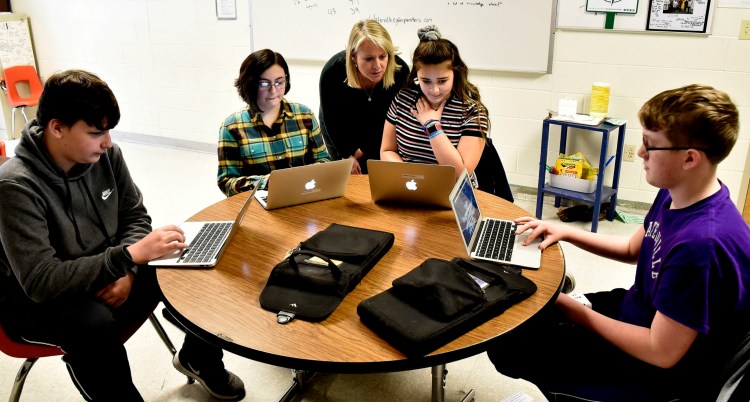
172 65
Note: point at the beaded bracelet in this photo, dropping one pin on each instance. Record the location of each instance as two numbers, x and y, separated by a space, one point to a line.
435 134
430 123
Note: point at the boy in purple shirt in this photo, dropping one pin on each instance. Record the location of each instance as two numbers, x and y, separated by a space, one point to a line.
669 335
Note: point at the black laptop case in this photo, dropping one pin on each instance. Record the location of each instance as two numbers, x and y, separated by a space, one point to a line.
312 291
441 300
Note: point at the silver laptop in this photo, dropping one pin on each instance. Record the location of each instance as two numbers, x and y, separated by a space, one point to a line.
489 238
206 241
302 184
411 183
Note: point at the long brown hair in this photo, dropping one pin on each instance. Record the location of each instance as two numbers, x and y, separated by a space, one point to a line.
433 50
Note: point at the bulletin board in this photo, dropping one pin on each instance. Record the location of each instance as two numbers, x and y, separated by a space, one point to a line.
507 35
571 14
15 41
16 48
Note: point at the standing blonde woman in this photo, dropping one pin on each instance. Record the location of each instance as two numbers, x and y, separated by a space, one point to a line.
356 88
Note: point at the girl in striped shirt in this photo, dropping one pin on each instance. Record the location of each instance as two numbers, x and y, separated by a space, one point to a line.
440 118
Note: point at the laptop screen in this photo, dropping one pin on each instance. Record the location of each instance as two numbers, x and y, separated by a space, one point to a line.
466 209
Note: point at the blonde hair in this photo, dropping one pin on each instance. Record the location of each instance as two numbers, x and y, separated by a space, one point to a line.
372 30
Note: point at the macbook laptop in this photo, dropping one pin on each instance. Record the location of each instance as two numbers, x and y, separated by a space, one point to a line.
206 241
489 238
411 183
302 184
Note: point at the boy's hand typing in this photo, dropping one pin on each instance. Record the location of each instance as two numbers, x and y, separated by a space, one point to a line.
552 232
157 243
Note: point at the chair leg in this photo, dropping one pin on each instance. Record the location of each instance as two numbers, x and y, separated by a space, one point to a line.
23 113
12 133
165 338
15 393
162 334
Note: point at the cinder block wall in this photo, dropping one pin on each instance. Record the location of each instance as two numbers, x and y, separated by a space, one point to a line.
172 67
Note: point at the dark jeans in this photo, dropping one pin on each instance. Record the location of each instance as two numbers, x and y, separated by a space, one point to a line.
570 363
91 335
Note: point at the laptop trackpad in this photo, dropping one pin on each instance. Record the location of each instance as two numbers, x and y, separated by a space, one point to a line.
528 256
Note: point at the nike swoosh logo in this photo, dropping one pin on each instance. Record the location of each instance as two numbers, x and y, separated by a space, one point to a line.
106 194
197 372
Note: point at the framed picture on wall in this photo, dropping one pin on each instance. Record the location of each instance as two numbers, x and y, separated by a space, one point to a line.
678 15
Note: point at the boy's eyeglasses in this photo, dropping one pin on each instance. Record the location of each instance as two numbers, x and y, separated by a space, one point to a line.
673 149
266 85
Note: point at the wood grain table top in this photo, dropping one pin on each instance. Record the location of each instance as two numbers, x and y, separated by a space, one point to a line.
221 304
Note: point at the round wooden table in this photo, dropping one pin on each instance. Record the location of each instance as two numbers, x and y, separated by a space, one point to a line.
221 304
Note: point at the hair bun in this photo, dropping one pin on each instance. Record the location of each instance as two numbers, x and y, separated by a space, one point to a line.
428 33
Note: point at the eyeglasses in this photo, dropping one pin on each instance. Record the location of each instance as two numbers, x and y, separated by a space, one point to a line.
673 149
266 85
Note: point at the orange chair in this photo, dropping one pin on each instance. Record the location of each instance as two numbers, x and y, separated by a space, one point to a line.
17 75
2 148
32 353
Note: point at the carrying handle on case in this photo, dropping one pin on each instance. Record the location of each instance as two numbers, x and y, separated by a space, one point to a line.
336 271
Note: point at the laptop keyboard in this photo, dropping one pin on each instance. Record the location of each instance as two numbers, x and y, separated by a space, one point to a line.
496 240
206 243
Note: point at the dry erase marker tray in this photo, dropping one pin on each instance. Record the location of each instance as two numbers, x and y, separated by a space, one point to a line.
572 183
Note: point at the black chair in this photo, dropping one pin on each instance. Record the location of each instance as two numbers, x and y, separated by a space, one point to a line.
327 138
491 173
736 388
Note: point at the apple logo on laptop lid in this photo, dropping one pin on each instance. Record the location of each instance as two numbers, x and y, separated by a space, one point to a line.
411 185
310 185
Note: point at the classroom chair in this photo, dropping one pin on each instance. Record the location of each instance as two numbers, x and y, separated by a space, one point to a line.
490 173
13 76
32 352
2 148
736 388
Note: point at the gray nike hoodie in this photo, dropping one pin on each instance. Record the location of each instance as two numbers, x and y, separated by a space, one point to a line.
62 235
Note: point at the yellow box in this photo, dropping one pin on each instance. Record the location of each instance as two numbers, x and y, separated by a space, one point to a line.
567 166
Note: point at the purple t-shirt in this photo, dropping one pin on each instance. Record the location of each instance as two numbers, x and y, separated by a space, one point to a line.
694 267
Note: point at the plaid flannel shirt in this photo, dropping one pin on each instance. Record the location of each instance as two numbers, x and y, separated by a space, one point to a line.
248 149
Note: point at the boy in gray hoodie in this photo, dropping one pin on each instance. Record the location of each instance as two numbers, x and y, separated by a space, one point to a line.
74 240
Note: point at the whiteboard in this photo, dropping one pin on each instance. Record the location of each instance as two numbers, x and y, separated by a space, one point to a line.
15 42
507 35
572 14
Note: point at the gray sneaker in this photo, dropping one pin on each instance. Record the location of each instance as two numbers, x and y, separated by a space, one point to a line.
569 284
220 383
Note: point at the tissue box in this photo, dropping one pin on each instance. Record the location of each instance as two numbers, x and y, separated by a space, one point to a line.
572 183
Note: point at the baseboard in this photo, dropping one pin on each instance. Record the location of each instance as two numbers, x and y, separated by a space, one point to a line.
164 141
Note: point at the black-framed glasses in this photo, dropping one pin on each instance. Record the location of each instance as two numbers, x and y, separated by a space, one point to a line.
266 85
649 149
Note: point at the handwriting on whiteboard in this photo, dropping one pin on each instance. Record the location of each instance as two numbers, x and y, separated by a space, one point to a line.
15 44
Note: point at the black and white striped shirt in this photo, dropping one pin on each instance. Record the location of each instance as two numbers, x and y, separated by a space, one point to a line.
458 119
